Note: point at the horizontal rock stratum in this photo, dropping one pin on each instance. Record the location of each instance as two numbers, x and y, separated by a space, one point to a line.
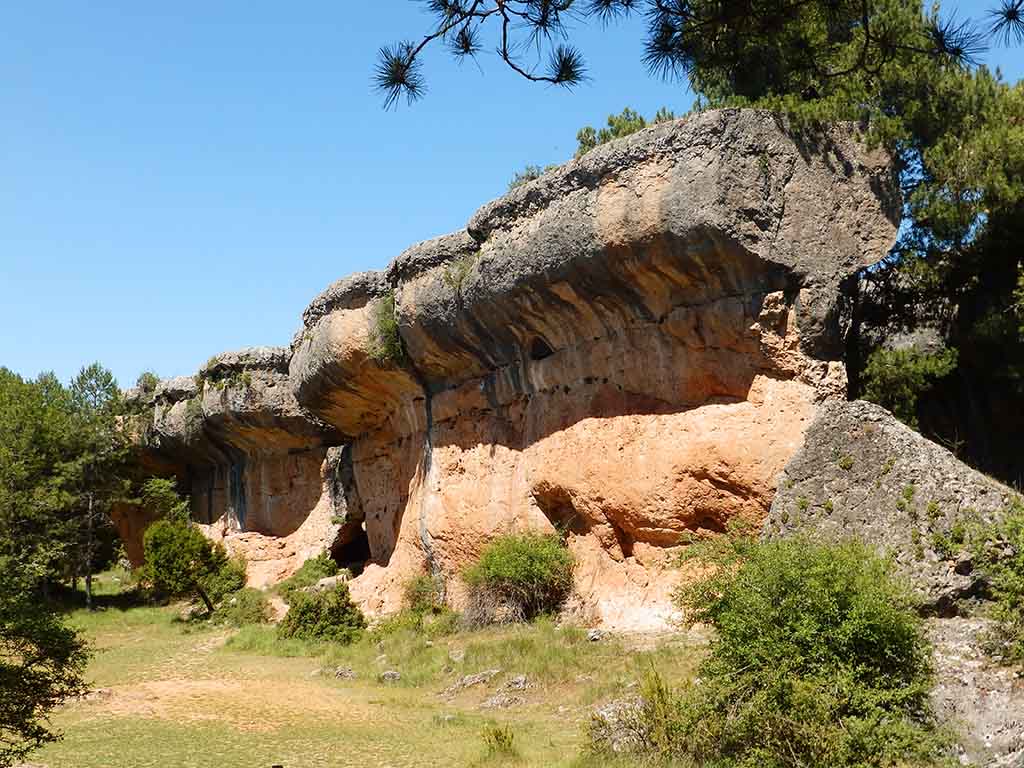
626 349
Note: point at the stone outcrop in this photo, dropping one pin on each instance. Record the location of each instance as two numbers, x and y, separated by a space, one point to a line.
861 473
630 347
257 467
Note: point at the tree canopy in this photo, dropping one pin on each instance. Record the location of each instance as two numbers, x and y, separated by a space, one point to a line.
745 48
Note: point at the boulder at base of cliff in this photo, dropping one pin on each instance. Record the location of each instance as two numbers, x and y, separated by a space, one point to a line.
863 474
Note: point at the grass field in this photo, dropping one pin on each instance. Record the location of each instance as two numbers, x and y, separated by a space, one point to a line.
169 693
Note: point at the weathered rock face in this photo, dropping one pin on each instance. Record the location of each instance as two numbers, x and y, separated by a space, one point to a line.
861 473
258 468
628 348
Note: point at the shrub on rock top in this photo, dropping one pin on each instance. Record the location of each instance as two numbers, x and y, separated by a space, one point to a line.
999 552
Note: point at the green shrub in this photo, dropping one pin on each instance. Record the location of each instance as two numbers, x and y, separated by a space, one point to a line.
314 569
623 124
457 270
895 378
528 174
385 340
519 577
999 551
423 594
181 561
228 578
160 498
329 615
819 659
245 607
147 382
499 741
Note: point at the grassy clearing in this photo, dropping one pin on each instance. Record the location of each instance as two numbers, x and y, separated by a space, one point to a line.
195 695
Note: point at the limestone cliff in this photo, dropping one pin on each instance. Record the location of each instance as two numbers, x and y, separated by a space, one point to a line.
630 347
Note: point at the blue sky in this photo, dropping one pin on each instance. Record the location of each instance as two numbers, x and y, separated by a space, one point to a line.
182 179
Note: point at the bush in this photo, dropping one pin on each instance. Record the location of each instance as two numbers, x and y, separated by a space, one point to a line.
528 174
385 340
161 499
999 552
181 561
499 741
423 594
314 569
247 606
329 615
896 378
147 382
819 659
228 578
519 577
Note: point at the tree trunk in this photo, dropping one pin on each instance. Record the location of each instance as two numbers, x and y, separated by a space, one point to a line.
204 598
88 556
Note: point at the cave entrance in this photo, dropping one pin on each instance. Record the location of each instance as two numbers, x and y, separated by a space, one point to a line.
351 550
540 349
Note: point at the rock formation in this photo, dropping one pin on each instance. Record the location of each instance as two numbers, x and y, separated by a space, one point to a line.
861 473
630 347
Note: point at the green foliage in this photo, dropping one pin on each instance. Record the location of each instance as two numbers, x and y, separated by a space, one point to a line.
194 413
229 577
528 174
246 607
180 560
329 615
999 552
42 662
819 659
147 382
311 571
623 124
62 465
524 575
499 741
214 574
385 340
457 270
160 497
423 594
949 545
896 378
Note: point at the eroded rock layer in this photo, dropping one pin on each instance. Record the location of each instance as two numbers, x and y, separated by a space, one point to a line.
628 348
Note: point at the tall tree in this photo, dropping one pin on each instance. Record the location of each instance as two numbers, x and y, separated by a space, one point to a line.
101 454
36 467
41 663
41 659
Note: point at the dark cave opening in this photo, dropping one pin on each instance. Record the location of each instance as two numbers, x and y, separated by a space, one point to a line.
539 349
351 550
